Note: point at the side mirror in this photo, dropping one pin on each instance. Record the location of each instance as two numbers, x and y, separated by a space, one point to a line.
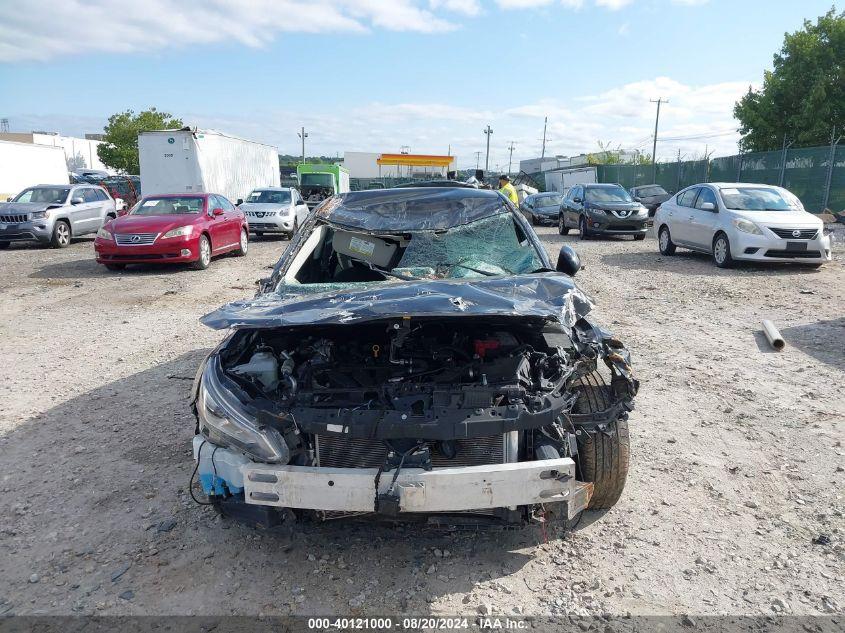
239 202
217 212
76 200
568 261
10 198
577 200
708 206
637 199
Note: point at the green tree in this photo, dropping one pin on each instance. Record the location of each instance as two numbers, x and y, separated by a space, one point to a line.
804 95
119 149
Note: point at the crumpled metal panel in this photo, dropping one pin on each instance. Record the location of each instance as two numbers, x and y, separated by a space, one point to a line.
404 210
552 296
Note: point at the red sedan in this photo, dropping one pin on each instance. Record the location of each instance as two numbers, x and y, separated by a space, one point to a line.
173 228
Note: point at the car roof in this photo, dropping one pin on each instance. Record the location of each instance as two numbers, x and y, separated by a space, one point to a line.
434 183
412 208
599 185
187 194
272 188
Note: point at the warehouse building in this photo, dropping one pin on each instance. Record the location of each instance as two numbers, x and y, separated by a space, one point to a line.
80 153
402 165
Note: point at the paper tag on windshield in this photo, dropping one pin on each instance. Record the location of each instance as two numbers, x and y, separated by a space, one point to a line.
362 247
149 203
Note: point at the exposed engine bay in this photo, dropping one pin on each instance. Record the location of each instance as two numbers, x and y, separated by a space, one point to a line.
428 393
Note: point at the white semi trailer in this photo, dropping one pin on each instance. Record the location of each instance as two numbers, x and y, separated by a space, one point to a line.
561 180
207 161
23 165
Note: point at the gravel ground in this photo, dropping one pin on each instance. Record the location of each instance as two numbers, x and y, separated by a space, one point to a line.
734 502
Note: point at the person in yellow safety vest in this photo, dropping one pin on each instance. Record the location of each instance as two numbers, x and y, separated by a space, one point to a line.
507 189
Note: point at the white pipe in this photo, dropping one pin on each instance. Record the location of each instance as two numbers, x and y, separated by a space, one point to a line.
772 335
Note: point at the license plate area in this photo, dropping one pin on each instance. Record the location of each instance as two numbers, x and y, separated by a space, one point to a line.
796 246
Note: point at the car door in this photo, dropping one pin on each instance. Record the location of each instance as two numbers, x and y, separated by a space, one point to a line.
107 206
573 209
82 210
232 217
704 219
220 233
681 215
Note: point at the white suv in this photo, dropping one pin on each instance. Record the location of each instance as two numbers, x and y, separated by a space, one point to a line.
741 221
274 210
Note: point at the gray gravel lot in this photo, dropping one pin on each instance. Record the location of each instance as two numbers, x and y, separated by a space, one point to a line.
734 503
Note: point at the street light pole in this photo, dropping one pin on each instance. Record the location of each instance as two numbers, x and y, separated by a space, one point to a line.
488 132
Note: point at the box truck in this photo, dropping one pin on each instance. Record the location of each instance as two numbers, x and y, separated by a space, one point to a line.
23 165
562 179
320 181
192 160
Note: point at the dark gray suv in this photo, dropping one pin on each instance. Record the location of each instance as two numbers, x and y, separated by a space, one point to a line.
602 209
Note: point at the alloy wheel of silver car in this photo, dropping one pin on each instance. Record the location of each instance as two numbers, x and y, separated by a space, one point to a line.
664 240
720 250
62 234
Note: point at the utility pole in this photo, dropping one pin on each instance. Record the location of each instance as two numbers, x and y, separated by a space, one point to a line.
303 135
654 146
834 141
477 158
510 156
543 151
488 132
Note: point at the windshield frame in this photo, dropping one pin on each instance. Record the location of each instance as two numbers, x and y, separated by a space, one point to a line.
641 191
275 282
64 200
141 203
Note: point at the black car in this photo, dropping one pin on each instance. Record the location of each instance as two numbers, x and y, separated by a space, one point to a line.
414 356
542 208
602 209
650 196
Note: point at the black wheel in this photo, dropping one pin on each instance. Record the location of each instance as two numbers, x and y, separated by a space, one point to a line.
638 238
561 225
115 267
243 246
61 234
664 241
603 455
722 251
582 227
5 245
204 258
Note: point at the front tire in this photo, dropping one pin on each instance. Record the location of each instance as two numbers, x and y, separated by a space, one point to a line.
561 225
582 228
204 258
665 243
5 245
722 251
115 267
61 235
243 247
639 238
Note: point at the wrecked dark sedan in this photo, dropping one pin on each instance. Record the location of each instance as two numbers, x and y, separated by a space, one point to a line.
414 356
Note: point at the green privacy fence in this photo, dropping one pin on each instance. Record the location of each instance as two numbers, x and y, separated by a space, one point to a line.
807 172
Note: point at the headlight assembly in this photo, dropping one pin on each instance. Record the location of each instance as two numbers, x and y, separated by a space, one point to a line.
224 421
179 231
103 234
746 226
40 215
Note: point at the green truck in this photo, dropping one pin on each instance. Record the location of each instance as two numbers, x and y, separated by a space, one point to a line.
320 181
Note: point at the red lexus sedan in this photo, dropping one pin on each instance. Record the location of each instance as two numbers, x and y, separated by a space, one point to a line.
173 228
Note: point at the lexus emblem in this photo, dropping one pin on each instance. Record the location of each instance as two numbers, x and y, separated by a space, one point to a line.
796 233
135 239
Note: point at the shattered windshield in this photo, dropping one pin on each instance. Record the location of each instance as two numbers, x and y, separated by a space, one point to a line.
336 257
491 246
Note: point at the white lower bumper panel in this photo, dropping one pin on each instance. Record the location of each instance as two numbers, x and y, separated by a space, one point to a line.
436 490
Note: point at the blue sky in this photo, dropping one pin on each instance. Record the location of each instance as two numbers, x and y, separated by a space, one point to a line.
375 75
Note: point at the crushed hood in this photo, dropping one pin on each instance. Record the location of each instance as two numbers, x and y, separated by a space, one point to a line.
27 207
551 296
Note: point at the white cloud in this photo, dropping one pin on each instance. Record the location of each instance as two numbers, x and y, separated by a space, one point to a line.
613 5
467 7
45 29
622 116
522 4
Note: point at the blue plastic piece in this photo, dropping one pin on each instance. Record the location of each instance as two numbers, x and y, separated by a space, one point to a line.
214 485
